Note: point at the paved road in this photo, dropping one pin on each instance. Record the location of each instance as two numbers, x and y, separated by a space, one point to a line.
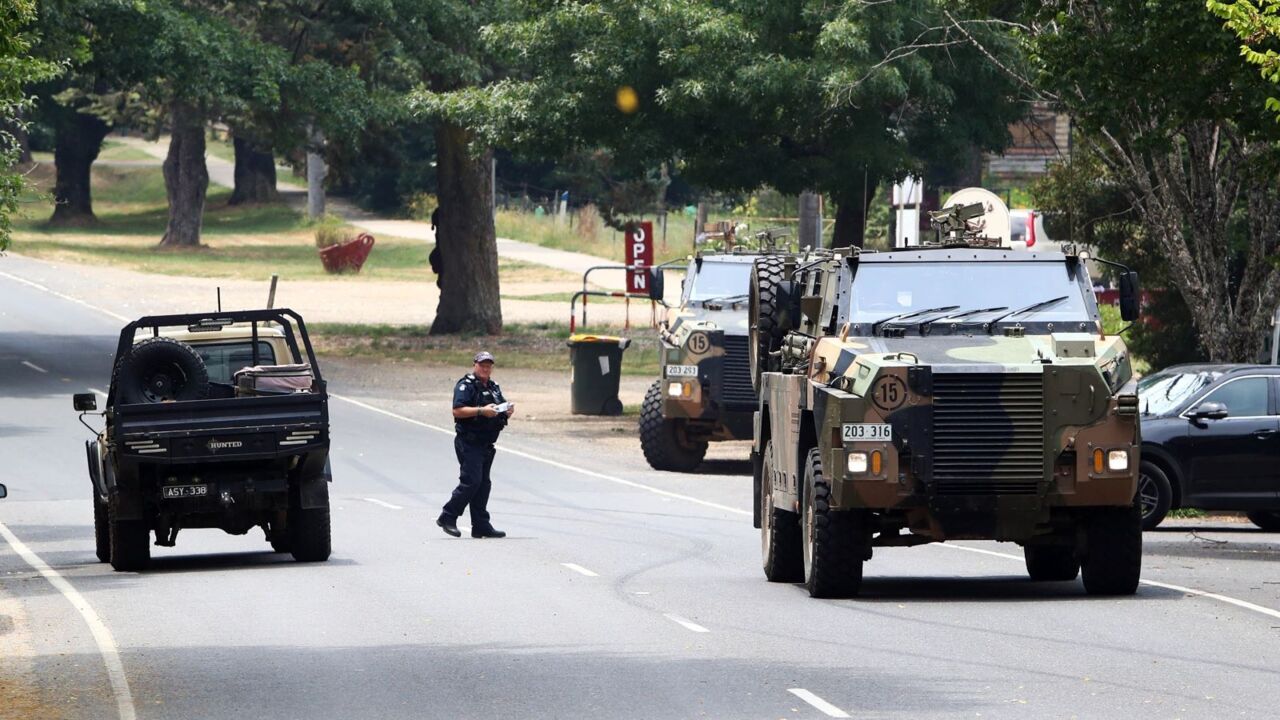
619 593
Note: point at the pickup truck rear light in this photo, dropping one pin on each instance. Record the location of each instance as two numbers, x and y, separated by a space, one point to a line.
300 437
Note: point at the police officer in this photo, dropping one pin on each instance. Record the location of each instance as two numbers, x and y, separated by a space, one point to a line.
480 412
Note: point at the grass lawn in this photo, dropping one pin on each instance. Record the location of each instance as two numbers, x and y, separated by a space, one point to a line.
248 242
114 150
536 346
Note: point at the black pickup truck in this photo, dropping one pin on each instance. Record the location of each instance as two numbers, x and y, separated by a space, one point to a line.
215 420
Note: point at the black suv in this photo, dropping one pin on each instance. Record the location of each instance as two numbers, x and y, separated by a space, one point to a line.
1211 440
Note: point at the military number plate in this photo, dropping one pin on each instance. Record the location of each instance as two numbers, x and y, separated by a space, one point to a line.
867 431
185 491
682 371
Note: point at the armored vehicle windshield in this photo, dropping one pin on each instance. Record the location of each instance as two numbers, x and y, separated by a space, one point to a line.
719 280
912 293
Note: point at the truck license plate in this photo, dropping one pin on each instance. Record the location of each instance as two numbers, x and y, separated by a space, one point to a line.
867 431
682 371
184 491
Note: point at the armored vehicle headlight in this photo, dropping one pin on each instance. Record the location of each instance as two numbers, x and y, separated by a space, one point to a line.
683 389
1118 460
857 462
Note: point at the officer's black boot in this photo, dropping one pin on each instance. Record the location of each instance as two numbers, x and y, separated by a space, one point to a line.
489 532
449 525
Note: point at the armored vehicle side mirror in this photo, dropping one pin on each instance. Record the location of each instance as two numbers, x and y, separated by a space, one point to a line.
1209 411
787 312
1130 305
85 402
4 491
656 285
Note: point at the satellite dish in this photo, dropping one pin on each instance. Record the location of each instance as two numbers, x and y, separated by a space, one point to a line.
994 222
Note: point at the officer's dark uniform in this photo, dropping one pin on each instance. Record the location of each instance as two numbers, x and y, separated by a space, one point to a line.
474 446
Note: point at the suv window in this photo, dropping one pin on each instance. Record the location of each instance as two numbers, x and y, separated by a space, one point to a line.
223 359
1246 397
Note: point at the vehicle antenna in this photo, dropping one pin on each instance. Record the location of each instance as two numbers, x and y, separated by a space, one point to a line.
271 294
219 298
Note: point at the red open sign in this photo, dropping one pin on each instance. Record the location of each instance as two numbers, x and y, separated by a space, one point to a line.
639 255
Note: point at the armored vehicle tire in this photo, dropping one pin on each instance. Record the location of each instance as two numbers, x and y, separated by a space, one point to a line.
130 545
1051 563
1113 559
1268 520
779 533
160 369
766 281
832 546
1155 494
662 441
309 530
101 530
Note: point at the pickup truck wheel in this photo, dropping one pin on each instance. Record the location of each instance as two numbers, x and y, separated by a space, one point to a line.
130 545
1051 563
1113 555
101 530
832 544
779 532
308 531
662 440
160 369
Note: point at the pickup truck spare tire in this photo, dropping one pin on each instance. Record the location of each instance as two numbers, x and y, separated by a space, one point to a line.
160 369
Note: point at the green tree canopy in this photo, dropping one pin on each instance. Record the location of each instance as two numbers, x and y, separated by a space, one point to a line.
833 97
18 68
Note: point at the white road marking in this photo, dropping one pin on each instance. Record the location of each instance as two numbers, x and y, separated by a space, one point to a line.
55 293
35 367
101 635
579 569
686 624
1270 612
555 463
825 707
384 504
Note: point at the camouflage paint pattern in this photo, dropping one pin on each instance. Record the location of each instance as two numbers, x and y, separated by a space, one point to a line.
695 336
992 436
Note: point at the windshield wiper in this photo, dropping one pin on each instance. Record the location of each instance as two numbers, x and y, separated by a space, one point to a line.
875 326
725 298
1030 308
924 326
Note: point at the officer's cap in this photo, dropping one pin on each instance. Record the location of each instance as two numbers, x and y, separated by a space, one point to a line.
484 356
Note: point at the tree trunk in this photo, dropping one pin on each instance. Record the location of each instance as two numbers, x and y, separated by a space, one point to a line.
810 220
185 178
851 220
255 174
78 143
469 294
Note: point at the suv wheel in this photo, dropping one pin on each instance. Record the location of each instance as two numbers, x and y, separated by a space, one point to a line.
779 531
1268 520
130 544
1051 563
833 545
308 529
662 440
1113 554
101 530
1155 494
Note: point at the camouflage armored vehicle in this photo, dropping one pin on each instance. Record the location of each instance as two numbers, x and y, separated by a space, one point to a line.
942 393
705 392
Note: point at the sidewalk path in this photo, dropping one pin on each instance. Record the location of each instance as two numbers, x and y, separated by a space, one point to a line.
222 173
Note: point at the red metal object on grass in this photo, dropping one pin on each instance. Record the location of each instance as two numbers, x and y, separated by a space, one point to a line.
348 256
